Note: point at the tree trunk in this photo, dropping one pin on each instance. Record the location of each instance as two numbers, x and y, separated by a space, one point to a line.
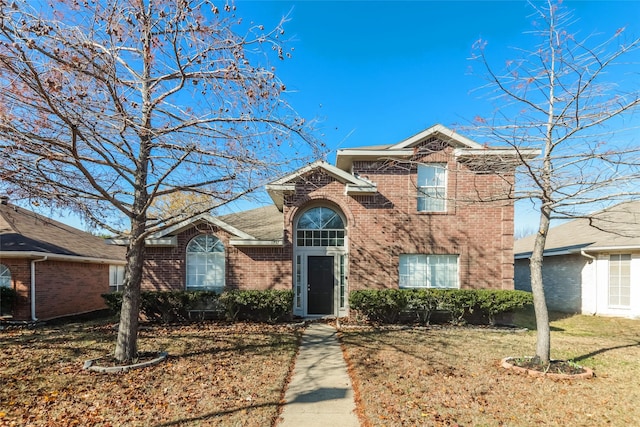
543 337
127 343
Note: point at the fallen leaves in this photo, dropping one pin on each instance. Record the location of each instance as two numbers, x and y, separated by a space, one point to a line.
230 374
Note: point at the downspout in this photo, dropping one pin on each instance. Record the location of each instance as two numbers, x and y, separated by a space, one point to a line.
33 287
594 277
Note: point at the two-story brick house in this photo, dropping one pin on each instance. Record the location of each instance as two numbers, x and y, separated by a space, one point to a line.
430 211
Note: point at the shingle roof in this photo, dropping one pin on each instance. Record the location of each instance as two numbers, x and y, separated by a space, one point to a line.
615 227
25 231
265 223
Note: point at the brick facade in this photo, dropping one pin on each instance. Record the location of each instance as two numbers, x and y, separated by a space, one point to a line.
477 226
62 288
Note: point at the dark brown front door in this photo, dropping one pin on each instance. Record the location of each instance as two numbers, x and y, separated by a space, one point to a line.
320 289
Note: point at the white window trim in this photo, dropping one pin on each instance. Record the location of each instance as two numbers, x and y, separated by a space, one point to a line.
421 189
116 277
218 255
618 276
427 271
5 276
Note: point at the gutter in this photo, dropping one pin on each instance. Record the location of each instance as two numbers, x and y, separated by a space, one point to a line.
33 287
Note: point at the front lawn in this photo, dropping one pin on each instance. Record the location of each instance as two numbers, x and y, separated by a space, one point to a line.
448 376
216 374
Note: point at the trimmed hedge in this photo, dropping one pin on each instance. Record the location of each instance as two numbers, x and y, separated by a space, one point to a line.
175 306
263 306
392 305
168 306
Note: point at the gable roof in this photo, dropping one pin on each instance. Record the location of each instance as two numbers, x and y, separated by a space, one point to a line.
614 228
464 148
287 184
27 234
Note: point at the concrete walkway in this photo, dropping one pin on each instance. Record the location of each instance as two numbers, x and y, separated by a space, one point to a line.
320 392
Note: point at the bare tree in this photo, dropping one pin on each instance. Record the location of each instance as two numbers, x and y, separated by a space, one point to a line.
571 97
107 107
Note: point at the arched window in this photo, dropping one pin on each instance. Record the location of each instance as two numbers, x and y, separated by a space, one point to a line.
5 276
320 226
205 263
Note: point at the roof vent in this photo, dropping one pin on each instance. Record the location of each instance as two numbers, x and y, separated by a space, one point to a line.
4 200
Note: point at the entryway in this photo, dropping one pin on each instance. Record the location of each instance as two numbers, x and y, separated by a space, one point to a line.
321 282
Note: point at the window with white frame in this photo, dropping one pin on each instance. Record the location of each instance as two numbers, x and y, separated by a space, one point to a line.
429 271
432 187
320 226
205 263
620 280
116 277
5 276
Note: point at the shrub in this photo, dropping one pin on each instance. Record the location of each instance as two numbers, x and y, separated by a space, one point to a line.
167 306
457 302
387 305
494 302
422 303
383 305
8 297
263 306
113 300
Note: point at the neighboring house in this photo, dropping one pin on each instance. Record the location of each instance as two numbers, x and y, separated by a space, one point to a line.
430 211
56 270
591 265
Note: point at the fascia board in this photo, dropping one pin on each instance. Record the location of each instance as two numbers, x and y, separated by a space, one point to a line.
441 131
354 190
609 248
59 257
249 243
346 157
202 217
527 153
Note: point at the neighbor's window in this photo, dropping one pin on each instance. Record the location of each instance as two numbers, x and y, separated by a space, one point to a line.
116 277
429 271
5 276
620 280
205 263
432 187
320 227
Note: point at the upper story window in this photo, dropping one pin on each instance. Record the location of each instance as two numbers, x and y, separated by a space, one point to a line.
429 271
320 226
432 187
205 263
5 276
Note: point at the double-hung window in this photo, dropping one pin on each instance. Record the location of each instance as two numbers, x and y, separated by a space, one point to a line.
432 187
116 277
429 271
620 280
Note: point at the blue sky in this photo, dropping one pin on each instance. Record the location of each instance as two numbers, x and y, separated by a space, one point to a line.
377 72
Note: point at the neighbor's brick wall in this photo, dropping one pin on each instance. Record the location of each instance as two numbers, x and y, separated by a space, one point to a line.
62 288
21 281
66 288
562 278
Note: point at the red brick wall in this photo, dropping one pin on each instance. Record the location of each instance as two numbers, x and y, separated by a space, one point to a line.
21 282
478 226
246 268
62 288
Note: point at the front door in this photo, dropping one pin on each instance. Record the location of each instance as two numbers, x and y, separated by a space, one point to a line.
320 281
